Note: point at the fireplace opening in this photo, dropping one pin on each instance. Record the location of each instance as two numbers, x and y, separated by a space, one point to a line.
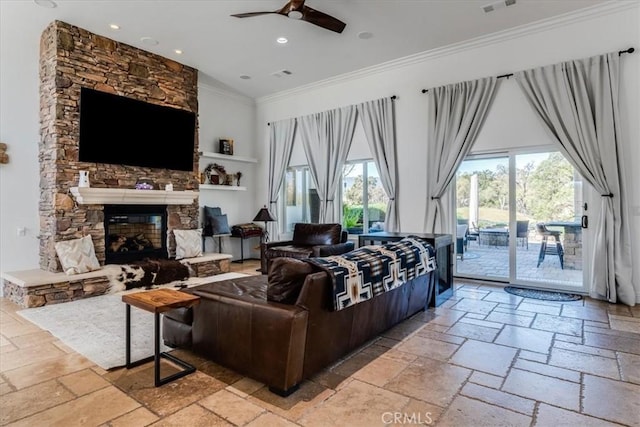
135 232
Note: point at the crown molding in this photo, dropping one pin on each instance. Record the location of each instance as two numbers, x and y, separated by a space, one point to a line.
604 9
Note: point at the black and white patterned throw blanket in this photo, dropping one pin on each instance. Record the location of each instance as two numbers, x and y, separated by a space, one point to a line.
362 274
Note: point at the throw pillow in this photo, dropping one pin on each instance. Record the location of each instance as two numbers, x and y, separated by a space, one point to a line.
77 255
286 276
219 224
188 243
210 212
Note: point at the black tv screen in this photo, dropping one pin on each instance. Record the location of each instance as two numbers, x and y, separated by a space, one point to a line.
119 130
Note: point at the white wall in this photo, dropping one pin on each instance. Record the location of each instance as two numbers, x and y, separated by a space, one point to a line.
612 29
19 129
223 114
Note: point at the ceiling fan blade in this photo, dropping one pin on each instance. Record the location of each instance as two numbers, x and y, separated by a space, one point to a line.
250 14
322 19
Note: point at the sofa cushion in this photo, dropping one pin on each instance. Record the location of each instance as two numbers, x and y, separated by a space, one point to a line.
251 288
286 276
316 234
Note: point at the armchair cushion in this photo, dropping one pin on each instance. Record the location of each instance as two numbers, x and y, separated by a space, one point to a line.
317 234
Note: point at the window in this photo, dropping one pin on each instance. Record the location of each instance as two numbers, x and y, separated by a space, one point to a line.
363 206
302 202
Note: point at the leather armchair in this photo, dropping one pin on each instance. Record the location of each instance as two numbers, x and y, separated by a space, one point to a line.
309 240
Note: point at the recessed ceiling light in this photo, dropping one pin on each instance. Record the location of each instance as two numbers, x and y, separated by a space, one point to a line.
245 77
114 26
282 40
46 3
178 51
365 35
149 41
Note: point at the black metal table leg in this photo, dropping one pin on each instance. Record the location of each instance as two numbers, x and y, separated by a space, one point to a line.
187 367
128 340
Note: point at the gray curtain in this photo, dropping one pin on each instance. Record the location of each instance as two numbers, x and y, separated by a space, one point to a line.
326 139
281 136
379 125
577 102
456 114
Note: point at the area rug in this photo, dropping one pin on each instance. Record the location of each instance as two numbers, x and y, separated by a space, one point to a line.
543 295
95 327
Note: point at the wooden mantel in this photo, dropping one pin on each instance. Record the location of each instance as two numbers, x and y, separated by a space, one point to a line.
125 196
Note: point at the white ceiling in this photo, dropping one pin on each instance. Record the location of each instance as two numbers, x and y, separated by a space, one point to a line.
222 47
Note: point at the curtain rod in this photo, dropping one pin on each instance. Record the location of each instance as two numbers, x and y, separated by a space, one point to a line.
620 52
393 97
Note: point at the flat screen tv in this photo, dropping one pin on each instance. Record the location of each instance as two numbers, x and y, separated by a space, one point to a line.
119 130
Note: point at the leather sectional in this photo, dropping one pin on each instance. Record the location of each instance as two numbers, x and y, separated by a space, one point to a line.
281 329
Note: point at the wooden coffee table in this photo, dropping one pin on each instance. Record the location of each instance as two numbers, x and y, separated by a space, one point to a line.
158 301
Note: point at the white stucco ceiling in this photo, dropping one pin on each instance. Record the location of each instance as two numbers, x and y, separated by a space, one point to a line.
223 47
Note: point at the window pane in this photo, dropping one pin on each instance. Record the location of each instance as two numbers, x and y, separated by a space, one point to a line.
363 207
377 200
352 197
301 199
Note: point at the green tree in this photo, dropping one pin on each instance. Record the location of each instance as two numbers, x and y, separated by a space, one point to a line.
353 195
551 190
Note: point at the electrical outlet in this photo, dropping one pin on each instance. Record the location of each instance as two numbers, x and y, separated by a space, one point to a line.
22 231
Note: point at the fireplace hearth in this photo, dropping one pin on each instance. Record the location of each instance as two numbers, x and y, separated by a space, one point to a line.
135 232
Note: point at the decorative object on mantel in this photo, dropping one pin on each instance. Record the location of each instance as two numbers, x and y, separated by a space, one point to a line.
238 176
226 146
4 157
144 184
83 180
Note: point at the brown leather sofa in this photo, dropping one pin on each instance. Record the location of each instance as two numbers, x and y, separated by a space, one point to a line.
282 329
309 240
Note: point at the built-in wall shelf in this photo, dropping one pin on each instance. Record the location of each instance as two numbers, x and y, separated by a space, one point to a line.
126 196
222 187
212 155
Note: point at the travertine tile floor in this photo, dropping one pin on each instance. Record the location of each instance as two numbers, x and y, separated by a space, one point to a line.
483 358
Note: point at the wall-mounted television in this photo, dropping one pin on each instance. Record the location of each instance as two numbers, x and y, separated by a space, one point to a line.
119 130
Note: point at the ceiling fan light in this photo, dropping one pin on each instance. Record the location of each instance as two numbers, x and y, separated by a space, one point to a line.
295 14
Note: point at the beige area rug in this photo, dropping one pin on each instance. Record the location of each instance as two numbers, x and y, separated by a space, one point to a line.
95 327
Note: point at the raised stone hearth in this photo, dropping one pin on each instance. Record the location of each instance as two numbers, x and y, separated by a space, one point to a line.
35 288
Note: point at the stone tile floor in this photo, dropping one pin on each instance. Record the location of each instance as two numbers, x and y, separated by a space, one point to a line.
484 358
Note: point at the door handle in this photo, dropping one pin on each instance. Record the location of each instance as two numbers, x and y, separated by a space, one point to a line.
585 221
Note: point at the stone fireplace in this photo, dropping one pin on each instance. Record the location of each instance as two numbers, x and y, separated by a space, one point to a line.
72 58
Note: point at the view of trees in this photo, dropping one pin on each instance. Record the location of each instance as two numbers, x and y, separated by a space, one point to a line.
544 192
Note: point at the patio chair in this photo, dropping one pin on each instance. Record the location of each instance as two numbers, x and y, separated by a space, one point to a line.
522 232
549 249
473 233
461 240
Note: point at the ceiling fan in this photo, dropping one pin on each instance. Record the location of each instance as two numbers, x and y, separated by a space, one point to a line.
295 9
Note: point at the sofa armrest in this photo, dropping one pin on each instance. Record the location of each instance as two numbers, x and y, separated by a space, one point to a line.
337 249
264 340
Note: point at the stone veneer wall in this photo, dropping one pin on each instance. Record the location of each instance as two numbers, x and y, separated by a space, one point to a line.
71 58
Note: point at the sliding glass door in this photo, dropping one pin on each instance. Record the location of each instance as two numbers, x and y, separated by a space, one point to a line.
522 213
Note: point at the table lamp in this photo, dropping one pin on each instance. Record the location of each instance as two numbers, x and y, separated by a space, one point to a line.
266 216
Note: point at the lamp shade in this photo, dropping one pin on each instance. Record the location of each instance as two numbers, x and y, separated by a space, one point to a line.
264 215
